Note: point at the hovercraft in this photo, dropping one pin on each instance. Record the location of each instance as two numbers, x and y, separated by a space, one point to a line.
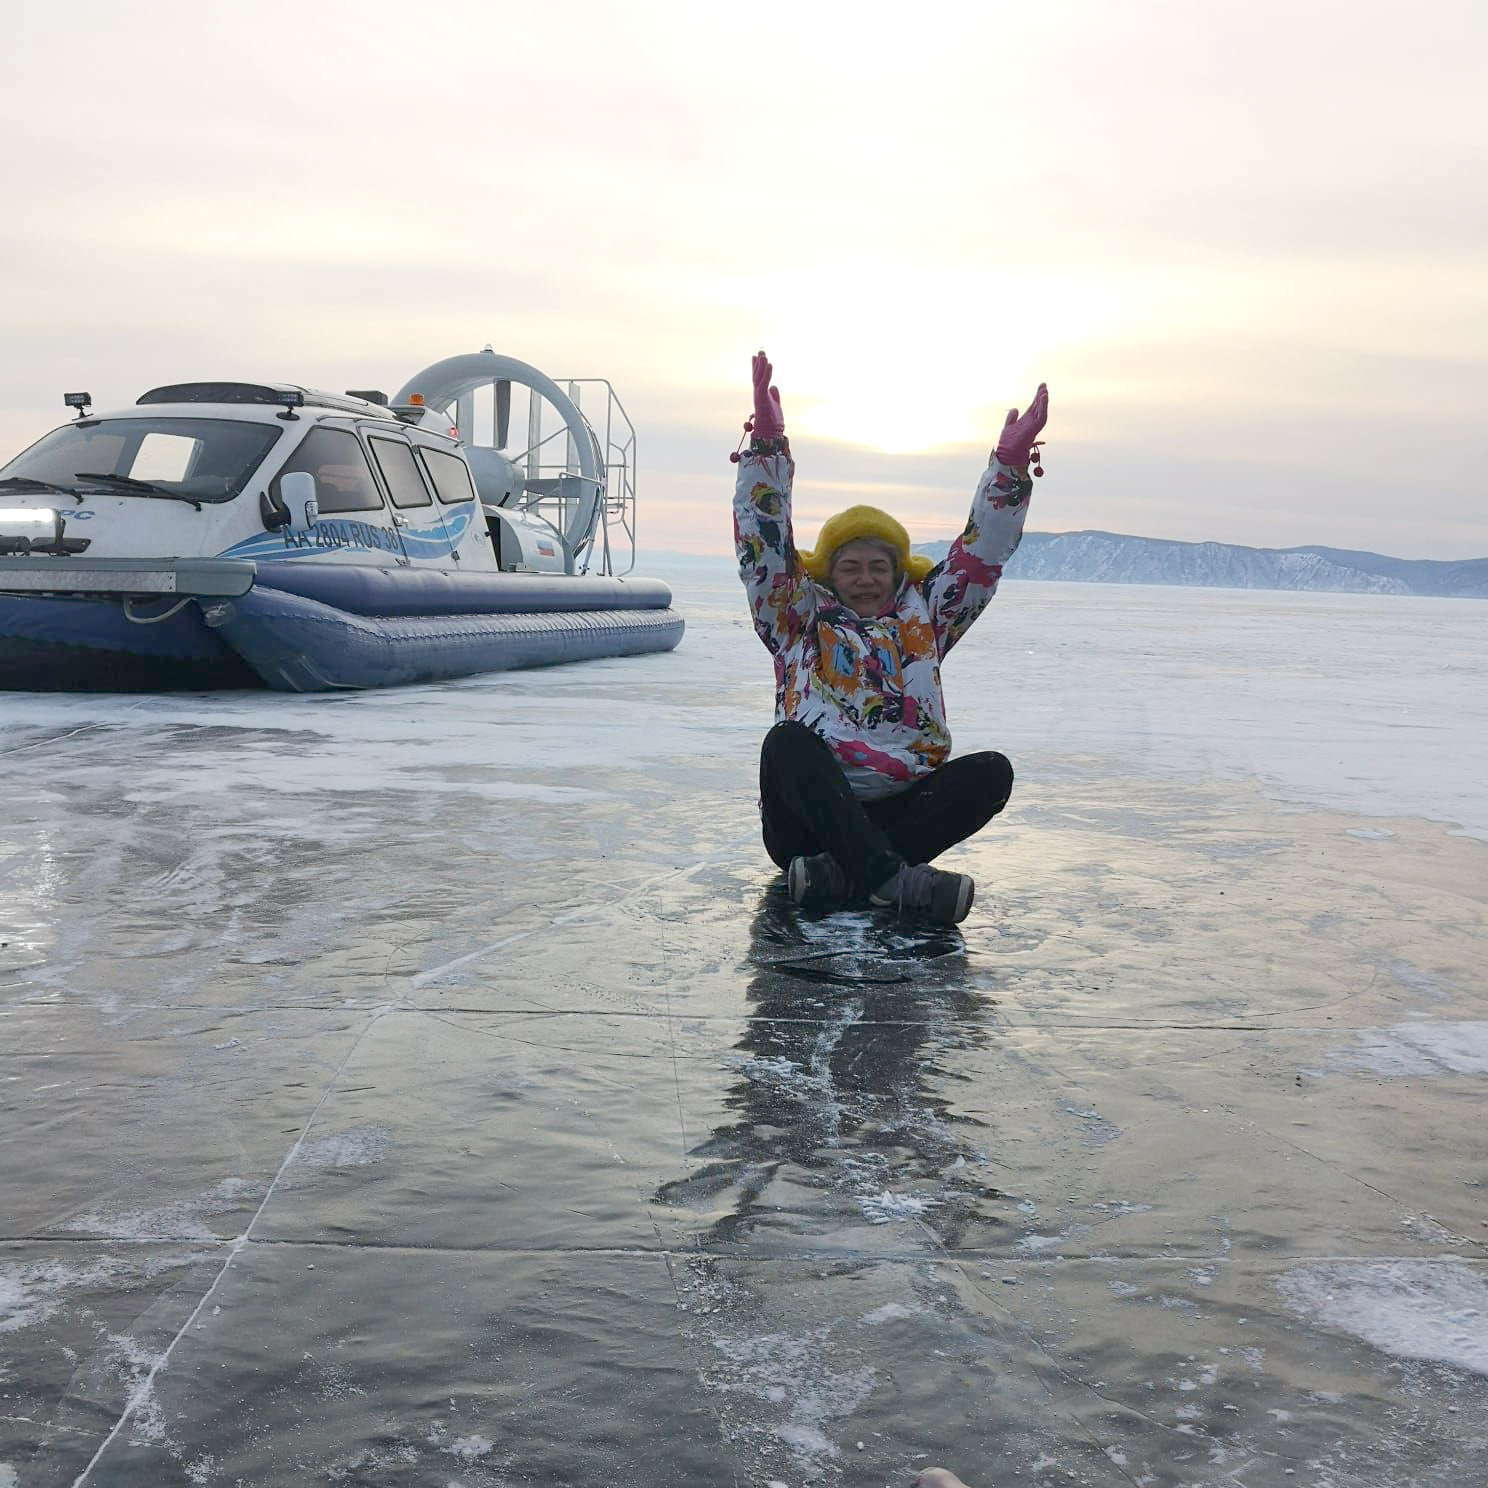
232 534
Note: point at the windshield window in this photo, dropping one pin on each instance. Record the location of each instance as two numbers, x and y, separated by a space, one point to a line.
205 459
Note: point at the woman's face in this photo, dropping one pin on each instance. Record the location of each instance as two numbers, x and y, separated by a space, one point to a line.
863 575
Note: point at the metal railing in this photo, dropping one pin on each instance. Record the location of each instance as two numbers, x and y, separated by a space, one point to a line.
615 446
555 491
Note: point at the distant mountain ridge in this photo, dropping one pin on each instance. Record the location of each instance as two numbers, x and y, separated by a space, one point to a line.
1113 558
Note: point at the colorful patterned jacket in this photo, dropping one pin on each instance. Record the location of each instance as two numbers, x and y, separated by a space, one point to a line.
869 687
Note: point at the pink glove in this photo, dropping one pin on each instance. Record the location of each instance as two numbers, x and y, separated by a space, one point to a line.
1018 434
769 422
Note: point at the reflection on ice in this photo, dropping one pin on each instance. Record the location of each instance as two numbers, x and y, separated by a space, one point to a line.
846 1026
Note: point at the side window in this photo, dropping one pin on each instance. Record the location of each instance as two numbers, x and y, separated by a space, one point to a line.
450 477
343 479
400 471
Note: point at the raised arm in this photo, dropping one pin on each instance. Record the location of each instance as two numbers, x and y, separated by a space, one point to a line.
777 585
959 587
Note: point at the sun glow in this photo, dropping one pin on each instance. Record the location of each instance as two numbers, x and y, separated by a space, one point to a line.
904 361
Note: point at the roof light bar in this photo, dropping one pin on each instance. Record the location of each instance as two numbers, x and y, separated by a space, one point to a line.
264 394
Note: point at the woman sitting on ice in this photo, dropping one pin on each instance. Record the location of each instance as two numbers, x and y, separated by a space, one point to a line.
857 788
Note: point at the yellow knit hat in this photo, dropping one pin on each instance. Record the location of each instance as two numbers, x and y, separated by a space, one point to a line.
855 524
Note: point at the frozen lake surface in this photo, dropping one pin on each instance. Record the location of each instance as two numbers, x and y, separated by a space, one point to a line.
433 1086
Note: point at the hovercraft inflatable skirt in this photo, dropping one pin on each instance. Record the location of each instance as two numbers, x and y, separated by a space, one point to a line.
315 627
301 645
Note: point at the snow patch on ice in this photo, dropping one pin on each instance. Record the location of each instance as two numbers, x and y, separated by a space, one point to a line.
27 1292
853 930
793 1372
1423 1227
758 1066
8 1478
1037 1244
133 1363
887 1208
356 1147
469 1447
890 1312
1415 1309
1408 1049
1098 1131
179 1221
31 1291
1120 1207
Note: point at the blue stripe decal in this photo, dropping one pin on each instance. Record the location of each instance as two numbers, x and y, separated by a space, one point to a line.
347 534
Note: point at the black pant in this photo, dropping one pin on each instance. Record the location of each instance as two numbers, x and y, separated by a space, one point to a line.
808 807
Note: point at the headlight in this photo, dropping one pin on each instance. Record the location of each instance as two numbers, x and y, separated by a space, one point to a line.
25 527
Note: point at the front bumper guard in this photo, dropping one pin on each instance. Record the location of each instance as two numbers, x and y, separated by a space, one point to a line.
207 578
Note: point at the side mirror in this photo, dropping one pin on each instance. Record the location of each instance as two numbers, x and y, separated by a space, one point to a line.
298 493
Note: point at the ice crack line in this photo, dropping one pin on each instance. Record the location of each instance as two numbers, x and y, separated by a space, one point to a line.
54 739
141 1391
567 918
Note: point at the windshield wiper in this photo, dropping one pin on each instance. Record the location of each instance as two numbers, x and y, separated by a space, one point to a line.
30 483
143 487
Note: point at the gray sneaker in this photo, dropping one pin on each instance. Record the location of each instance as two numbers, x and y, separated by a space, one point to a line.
918 889
817 882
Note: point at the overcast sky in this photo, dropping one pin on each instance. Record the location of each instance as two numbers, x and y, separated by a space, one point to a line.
1246 244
